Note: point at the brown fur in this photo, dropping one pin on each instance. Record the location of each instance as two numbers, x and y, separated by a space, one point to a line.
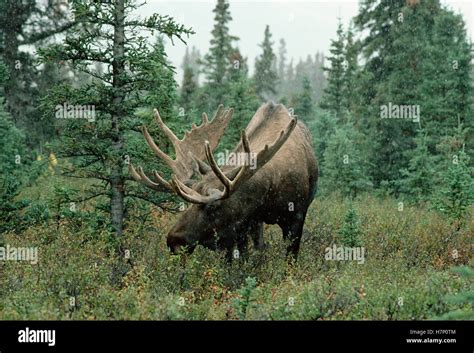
290 177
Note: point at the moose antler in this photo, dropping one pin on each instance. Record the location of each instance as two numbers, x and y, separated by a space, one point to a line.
189 151
243 174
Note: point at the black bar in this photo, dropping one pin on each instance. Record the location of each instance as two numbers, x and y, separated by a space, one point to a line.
324 336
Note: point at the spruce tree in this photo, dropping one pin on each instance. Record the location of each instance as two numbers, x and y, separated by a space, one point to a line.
350 66
457 189
345 167
102 145
411 59
417 181
304 108
217 62
243 98
13 163
322 128
350 233
29 24
265 76
333 99
188 91
464 298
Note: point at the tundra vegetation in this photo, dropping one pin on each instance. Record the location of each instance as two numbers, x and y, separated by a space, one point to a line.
387 112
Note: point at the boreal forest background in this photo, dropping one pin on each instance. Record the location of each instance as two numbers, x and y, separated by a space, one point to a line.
401 187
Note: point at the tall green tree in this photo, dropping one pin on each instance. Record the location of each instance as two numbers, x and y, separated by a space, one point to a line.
265 74
217 62
417 181
304 105
411 59
333 96
345 167
13 162
28 24
102 147
243 98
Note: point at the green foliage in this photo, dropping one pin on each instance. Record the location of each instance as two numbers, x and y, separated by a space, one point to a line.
12 153
333 98
322 128
219 61
243 98
265 76
411 59
345 168
244 302
350 232
304 105
137 76
457 189
417 182
464 298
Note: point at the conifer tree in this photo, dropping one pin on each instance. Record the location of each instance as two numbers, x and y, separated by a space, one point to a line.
265 75
457 189
333 96
304 108
345 168
101 145
217 62
417 180
350 233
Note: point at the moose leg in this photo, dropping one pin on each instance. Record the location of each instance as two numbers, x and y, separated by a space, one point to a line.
256 232
293 230
242 246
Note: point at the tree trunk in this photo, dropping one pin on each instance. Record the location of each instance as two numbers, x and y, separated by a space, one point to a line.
116 177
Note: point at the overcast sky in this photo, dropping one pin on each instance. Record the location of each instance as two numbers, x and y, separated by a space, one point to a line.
307 26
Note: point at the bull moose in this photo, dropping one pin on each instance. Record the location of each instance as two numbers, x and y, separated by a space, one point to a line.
231 203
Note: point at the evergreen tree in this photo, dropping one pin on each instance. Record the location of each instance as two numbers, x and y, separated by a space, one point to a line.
417 180
243 98
350 66
457 189
265 75
102 147
350 232
333 99
188 90
12 164
29 23
322 128
411 59
217 62
345 168
304 107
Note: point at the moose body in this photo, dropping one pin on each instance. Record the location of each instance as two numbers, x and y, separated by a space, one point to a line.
277 190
